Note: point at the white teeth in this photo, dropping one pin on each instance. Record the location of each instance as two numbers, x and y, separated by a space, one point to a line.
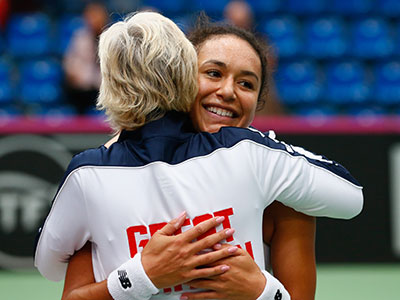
219 111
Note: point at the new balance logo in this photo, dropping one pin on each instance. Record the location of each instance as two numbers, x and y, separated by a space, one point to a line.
123 278
278 295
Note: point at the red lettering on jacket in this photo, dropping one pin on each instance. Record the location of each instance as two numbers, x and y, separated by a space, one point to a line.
154 227
131 231
226 223
178 288
249 248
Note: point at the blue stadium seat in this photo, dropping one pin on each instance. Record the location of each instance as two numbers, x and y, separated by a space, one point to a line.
351 7
325 38
6 83
366 111
262 7
372 38
346 83
53 111
317 111
306 7
68 6
170 8
28 35
298 83
67 26
9 111
390 8
93 112
184 22
397 39
284 35
40 82
387 83
213 8
2 43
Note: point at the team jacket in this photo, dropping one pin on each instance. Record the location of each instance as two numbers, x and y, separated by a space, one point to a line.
117 198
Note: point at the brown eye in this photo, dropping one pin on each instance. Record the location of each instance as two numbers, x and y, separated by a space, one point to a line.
247 84
213 73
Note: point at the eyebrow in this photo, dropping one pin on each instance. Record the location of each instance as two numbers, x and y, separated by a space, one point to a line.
223 65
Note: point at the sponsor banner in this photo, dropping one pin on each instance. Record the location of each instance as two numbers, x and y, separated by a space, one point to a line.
31 167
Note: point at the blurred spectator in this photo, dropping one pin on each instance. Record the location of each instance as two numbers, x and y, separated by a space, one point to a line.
4 13
240 13
82 70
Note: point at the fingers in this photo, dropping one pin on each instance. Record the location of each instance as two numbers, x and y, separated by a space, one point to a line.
201 295
217 246
202 228
173 225
208 272
212 240
214 256
226 245
205 284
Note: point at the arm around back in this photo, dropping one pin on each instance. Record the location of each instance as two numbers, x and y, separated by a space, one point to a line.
291 237
304 181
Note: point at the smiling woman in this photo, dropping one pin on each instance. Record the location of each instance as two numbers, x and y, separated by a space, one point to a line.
228 87
232 85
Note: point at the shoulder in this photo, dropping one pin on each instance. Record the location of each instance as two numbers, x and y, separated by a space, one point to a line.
201 144
90 157
233 135
269 141
117 155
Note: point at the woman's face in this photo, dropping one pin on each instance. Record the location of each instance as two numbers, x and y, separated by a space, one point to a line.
229 84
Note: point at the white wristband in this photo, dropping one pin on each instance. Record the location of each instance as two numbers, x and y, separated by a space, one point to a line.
130 281
274 290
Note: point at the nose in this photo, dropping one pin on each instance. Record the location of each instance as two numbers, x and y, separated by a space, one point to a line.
227 90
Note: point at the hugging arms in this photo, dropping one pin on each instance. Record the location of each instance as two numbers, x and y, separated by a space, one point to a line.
264 170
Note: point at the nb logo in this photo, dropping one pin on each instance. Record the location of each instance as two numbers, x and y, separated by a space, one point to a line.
123 278
278 295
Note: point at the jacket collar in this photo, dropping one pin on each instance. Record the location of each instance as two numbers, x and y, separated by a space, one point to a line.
172 124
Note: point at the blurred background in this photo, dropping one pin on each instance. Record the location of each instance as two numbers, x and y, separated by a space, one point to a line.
335 89
330 56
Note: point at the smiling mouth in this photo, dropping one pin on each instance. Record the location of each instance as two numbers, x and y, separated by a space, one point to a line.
220 111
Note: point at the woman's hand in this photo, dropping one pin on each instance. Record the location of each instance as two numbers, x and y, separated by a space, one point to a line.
170 260
243 281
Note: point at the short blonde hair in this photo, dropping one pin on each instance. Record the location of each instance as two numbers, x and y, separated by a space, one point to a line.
148 67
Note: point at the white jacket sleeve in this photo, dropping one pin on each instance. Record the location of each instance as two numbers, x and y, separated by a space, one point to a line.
318 192
308 183
65 230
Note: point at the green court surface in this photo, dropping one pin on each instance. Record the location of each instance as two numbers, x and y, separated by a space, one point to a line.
335 282
358 282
